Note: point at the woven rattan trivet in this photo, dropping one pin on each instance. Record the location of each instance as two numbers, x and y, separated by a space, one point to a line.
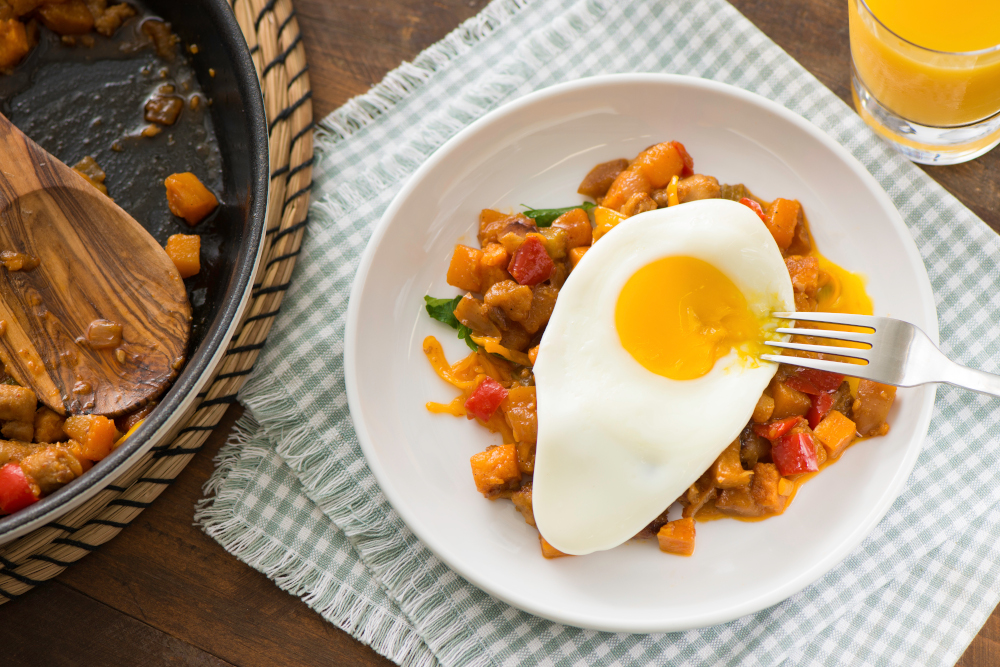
272 32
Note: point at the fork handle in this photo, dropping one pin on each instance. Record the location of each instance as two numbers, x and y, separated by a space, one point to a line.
970 378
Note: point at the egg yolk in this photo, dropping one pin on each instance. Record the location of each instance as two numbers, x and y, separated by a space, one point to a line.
678 315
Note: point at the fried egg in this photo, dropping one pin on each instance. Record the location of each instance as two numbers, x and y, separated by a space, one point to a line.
649 367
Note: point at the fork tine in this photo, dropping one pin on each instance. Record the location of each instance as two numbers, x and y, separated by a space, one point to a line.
852 370
850 352
832 318
829 333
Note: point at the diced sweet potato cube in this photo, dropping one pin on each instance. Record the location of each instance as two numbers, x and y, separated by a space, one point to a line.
597 181
95 434
727 471
188 197
781 219
764 409
576 254
542 304
764 488
184 251
548 550
519 409
22 431
835 433
522 501
48 426
513 299
465 271
495 470
872 407
14 44
788 402
804 272
576 224
738 501
67 18
677 537
17 403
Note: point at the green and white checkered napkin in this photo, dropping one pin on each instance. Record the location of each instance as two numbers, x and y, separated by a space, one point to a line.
294 498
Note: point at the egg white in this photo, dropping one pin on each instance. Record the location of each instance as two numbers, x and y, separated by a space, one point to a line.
617 443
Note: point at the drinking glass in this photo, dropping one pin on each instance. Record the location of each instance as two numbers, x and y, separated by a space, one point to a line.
935 107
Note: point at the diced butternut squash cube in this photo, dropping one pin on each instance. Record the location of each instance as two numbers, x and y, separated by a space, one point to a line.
185 252
519 409
494 255
533 355
13 43
785 487
576 224
576 254
495 470
606 219
94 433
464 271
788 402
550 551
677 537
782 218
764 409
188 197
836 432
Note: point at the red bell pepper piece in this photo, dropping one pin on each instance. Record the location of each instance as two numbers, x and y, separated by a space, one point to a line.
485 400
776 429
685 157
15 489
821 404
810 381
755 207
531 264
795 453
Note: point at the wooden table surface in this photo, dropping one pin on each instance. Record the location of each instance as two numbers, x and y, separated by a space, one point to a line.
164 593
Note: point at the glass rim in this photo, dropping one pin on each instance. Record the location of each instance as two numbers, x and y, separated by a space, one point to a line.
979 52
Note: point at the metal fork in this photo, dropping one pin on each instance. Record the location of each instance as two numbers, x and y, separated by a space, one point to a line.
899 353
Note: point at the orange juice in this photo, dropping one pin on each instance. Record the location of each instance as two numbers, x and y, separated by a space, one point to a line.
930 62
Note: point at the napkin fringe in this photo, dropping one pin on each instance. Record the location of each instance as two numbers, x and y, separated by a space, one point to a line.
386 547
219 517
408 77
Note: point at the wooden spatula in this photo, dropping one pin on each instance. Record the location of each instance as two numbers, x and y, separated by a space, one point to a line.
75 270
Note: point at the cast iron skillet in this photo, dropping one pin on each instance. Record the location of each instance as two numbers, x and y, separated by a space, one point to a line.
64 108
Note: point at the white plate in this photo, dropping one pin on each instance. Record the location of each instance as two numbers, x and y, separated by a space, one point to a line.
535 151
